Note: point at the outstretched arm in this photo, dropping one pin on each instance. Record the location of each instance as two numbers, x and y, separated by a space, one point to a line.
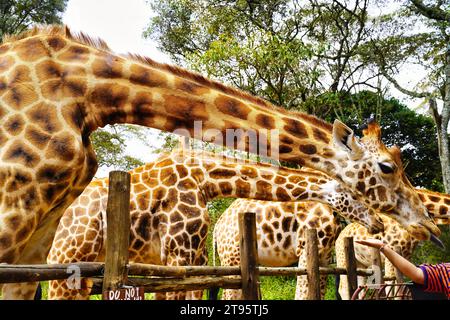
402 264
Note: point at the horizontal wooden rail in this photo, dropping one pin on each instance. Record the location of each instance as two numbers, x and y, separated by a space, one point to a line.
168 285
181 272
137 269
295 271
44 272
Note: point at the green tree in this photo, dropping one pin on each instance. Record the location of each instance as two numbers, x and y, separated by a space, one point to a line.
18 15
414 133
251 45
427 252
110 143
418 35
282 50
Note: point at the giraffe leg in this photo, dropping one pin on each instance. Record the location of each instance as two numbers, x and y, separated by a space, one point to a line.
160 296
389 271
232 294
301 290
67 290
179 257
340 263
35 252
201 261
67 249
19 291
323 286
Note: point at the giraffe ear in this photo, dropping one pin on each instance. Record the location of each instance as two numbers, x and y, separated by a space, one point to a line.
344 138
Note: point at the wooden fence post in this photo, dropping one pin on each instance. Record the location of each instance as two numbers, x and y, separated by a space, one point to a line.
350 264
118 231
312 265
249 256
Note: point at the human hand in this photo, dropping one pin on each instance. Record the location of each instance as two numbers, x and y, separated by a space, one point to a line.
374 243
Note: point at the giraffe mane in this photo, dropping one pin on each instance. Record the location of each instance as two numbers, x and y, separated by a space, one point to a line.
202 80
58 30
97 43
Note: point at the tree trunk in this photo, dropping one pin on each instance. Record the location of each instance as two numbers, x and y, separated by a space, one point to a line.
444 152
442 122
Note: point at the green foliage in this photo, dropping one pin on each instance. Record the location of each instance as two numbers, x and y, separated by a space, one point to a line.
330 291
427 252
110 143
278 288
239 43
18 15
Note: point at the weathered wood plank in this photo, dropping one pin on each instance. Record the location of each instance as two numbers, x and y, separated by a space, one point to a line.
44 272
118 230
312 265
350 265
168 285
249 256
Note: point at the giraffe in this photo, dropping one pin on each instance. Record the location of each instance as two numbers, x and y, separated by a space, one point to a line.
280 228
57 87
394 235
168 209
271 232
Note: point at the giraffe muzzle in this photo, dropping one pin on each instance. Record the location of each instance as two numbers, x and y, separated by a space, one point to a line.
431 227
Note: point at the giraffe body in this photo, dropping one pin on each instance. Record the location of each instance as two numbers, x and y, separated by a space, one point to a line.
56 88
393 235
280 241
168 209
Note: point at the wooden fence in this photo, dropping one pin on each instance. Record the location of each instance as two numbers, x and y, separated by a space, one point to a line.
117 272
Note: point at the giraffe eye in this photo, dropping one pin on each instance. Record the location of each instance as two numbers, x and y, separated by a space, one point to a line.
386 168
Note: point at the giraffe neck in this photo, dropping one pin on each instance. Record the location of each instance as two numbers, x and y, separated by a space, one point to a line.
437 204
105 88
225 177
156 96
262 182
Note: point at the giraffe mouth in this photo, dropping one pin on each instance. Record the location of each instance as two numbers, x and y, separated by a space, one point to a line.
431 228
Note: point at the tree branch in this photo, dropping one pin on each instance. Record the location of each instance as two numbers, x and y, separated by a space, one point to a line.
432 12
403 90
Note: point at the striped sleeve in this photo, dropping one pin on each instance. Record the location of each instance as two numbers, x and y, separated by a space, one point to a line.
437 278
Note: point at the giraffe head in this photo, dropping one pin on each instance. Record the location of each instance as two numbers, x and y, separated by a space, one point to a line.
381 179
